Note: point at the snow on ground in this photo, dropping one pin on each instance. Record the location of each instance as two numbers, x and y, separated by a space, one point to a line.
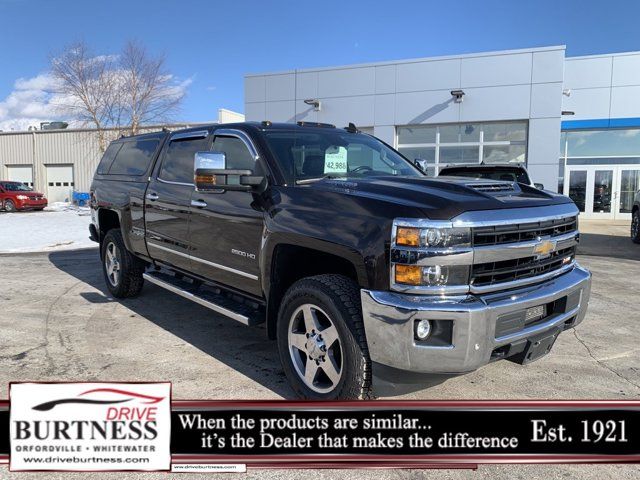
59 227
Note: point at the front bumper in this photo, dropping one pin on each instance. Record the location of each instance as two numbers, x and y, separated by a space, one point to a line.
483 328
31 204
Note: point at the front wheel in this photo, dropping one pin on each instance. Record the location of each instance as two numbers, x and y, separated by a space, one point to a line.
9 206
122 271
635 226
321 339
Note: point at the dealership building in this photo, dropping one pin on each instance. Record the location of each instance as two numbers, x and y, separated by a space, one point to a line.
573 121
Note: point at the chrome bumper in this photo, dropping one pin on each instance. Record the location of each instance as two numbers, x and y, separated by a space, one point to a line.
389 320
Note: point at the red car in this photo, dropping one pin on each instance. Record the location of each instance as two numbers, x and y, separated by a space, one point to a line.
16 196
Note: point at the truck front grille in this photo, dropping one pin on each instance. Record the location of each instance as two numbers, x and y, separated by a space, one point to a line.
492 273
502 234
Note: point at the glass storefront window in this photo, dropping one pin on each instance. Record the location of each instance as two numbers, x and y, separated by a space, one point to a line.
410 135
460 133
423 153
459 155
511 131
503 154
600 143
499 142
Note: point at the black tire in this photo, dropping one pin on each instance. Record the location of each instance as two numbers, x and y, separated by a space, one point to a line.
336 300
9 206
635 226
128 281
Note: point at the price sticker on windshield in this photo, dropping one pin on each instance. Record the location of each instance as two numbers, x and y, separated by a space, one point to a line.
335 160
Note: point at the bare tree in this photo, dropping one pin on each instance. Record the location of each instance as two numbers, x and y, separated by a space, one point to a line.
124 91
85 87
149 94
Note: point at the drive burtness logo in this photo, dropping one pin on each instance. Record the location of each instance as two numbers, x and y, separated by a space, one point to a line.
90 427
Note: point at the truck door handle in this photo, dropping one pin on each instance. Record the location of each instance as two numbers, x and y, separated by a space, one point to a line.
152 196
198 203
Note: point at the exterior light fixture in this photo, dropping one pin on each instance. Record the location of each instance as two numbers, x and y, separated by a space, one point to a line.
567 112
315 103
457 95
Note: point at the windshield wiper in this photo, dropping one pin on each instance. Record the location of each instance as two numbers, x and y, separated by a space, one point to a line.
315 179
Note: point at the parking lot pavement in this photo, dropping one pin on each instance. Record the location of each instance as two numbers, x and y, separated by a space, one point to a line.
58 323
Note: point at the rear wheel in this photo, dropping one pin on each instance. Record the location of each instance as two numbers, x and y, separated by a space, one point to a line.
9 206
122 271
635 226
321 339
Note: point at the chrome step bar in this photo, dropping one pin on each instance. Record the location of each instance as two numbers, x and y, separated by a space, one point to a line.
194 297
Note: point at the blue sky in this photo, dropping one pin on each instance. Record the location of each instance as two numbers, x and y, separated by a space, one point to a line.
214 43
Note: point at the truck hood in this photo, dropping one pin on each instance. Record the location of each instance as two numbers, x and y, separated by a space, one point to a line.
442 198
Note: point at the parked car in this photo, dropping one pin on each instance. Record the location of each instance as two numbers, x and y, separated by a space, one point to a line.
359 265
502 172
16 196
635 218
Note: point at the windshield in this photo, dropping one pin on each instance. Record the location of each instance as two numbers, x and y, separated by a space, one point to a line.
504 174
15 187
308 156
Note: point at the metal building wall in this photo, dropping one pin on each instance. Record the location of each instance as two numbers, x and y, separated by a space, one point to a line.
499 86
38 149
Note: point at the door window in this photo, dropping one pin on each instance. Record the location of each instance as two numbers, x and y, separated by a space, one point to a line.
238 156
602 187
578 188
177 164
629 184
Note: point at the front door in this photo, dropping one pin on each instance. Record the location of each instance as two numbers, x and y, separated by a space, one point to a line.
603 192
226 226
168 197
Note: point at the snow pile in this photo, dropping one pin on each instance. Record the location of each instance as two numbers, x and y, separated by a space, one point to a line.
67 207
66 227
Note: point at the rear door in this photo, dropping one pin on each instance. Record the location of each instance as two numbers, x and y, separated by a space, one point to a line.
226 226
168 197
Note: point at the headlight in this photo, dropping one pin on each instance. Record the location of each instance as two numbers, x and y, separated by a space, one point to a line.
432 275
22 197
433 237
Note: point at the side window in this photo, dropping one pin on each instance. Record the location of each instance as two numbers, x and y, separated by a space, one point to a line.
107 159
177 164
237 154
134 157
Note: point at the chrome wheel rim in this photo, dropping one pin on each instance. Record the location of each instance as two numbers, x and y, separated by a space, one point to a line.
635 225
315 348
112 264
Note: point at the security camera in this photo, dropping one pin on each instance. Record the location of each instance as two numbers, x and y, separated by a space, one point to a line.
314 103
457 95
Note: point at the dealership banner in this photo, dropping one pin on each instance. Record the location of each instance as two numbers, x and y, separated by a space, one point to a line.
137 427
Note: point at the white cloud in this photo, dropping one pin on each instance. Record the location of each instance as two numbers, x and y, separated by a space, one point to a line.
30 103
33 101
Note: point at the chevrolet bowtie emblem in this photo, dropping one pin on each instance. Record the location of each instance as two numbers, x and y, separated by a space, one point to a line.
544 247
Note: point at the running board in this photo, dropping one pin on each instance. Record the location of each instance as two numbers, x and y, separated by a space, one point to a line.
201 295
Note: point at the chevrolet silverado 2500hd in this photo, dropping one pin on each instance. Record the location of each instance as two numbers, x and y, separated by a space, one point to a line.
358 264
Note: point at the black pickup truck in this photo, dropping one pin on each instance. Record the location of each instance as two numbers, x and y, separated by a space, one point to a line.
360 266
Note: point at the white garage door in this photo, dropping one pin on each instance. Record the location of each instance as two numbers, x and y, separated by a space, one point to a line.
59 183
20 173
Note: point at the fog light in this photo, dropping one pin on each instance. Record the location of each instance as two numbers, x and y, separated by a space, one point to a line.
423 329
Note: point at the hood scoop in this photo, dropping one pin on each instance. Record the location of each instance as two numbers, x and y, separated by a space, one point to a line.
494 187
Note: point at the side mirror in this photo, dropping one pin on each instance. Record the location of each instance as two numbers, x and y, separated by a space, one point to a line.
211 174
422 164
539 186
